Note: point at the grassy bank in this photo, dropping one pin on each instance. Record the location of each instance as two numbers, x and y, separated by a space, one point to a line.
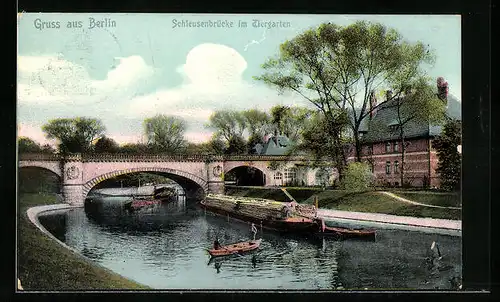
43 264
431 198
371 202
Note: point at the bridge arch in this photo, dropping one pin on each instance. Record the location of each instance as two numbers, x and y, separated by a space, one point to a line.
34 178
54 167
245 175
194 186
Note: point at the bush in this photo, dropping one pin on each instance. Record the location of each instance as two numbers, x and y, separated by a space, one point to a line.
357 177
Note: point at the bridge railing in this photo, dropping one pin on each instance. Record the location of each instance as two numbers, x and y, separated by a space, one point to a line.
104 157
39 157
148 157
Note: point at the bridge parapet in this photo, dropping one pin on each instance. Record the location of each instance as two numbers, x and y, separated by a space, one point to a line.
149 158
265 158
38 157
119 157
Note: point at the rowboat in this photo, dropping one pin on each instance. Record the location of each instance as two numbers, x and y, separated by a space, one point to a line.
235 248
140 203
345 233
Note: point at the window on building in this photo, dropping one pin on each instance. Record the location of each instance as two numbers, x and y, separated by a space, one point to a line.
278 175
396 146
290 174
388 167
388 147
396 167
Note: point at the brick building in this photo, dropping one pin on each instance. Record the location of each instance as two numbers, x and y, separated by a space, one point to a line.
382 150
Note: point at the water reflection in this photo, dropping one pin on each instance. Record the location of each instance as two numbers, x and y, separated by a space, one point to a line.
166 248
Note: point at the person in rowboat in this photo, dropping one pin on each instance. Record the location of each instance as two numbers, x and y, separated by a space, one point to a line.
216 244
254 230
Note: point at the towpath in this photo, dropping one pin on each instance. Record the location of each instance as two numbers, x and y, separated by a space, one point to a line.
432 223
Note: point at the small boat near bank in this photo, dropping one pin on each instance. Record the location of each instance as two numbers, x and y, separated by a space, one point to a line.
343 233
235 248
160 195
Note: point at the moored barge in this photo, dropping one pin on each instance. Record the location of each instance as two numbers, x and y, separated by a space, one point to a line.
268 214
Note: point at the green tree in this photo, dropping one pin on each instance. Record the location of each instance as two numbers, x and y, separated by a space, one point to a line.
75 135
27 145
449 165
165 134
336 67
227 124
216 146
258 124
358 177
48 149
106 145
316 141
278 115
290 121
236 145
134 149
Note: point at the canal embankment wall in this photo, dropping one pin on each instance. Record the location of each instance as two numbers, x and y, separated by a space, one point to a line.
34 213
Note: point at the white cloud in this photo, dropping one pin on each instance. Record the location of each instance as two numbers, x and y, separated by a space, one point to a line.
212 81
122 139
45 79
198 137
130 71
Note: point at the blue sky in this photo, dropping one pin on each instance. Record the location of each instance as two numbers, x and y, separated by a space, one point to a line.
143 66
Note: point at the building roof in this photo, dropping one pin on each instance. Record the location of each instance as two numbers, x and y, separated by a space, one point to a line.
278 145
379 128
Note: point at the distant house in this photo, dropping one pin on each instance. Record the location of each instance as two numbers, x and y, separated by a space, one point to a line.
293 174
275 145
381 145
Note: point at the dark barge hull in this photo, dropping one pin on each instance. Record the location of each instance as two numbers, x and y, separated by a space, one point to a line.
274 225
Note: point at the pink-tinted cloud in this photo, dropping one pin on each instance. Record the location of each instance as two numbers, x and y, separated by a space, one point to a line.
33 132
198 137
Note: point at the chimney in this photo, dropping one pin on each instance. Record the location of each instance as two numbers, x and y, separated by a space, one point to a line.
442 88
373 104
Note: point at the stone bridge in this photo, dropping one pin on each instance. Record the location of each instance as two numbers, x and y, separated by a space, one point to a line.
198 174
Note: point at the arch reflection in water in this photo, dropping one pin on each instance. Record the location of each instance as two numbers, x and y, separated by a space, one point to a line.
167 250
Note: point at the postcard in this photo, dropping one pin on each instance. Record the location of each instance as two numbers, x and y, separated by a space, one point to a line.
239 152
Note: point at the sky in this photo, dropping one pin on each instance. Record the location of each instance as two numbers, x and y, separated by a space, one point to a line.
123 68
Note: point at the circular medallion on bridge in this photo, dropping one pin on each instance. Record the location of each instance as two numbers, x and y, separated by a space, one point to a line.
72 172
217 171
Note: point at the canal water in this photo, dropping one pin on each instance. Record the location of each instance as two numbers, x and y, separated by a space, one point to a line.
164 247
